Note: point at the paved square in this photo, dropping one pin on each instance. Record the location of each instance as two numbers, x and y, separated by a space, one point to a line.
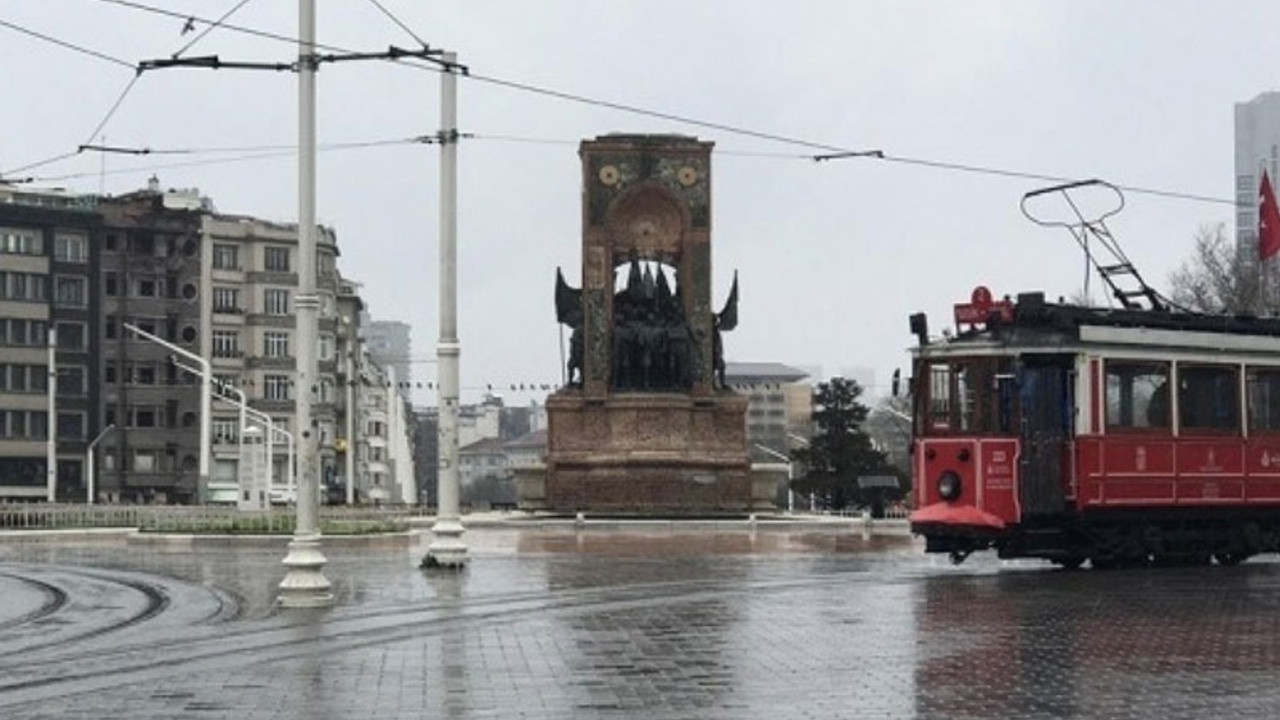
661 621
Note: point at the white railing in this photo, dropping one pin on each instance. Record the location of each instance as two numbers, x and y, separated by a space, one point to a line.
194 519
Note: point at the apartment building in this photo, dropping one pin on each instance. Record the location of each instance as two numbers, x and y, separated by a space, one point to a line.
779 406
150 275
251 339
47 249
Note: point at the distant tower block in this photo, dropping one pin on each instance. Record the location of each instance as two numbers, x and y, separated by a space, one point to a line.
645 424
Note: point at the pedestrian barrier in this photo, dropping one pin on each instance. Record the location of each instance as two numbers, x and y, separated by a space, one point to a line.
196 519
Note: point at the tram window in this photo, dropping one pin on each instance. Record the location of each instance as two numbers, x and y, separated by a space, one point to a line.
1264 399
940 396
1137 395
969 396
1208 397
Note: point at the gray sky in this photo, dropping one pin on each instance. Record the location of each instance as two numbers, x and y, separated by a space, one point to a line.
832 256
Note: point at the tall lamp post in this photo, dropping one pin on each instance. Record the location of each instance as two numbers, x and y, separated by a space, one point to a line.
304 584
88 463
447 548
206 402
51 424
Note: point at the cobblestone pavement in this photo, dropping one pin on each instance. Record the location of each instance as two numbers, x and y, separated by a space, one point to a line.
631 623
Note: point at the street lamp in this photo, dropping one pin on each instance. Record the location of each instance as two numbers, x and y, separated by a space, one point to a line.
245 410
88 463
206 384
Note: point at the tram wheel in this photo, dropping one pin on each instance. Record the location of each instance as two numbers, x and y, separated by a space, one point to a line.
1070 562
1230 559
1103 562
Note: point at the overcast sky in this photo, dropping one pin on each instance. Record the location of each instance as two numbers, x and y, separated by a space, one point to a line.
832 256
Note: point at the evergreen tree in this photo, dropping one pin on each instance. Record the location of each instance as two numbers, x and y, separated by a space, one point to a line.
841 450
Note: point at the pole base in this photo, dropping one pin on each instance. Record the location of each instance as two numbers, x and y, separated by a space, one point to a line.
304 584
447 549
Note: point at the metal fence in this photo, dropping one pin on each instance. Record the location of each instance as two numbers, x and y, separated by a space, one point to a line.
196 519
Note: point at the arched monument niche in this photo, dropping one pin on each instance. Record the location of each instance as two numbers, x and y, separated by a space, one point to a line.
643 426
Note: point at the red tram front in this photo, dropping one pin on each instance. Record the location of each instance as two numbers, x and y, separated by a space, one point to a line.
1122 437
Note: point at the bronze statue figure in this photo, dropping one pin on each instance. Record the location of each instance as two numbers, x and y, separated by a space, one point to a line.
725 320
569 312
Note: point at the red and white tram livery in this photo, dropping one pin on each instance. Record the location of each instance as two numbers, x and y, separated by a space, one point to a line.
1122 437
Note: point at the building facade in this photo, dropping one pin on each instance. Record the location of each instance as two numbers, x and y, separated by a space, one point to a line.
251 338
779 406
390 346
150 277
49 243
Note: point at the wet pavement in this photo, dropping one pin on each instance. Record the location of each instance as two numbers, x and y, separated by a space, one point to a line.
644 622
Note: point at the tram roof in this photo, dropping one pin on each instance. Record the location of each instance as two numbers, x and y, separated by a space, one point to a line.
1035 323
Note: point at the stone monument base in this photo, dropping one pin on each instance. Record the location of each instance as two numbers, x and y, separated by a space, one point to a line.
647 454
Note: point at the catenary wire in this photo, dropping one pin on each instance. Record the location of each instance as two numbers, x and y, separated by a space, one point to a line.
213 26
396 20
723 127
69 45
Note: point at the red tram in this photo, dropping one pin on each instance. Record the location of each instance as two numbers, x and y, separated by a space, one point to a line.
1121 437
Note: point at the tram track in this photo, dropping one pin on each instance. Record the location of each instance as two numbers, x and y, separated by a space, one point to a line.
258 644
55 599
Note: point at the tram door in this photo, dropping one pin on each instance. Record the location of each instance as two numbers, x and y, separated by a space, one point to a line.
1045 398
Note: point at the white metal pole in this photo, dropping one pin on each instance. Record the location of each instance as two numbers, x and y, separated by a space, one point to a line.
88 463
447 548
304 583
51 425
291 476
350 457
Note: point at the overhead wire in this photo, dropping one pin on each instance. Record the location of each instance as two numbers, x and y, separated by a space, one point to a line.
123 94
214 25
68 45
396 20
267 152
675 117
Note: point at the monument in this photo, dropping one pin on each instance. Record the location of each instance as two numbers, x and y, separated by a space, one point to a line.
645 424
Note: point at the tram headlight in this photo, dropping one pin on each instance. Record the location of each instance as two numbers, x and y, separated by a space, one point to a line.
949 485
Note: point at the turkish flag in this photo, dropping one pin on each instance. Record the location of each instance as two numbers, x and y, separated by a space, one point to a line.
1268 220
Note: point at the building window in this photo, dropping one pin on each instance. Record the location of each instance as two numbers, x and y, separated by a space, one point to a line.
224 431
37 425
276 302
71 426
144 373
20 242
69 291
276 344
144 461
275 259
71 381
226 257
26 287
226 343
29 333
276 387
70 248
147 288
71 335
326 390
143 416
226 299
326 347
